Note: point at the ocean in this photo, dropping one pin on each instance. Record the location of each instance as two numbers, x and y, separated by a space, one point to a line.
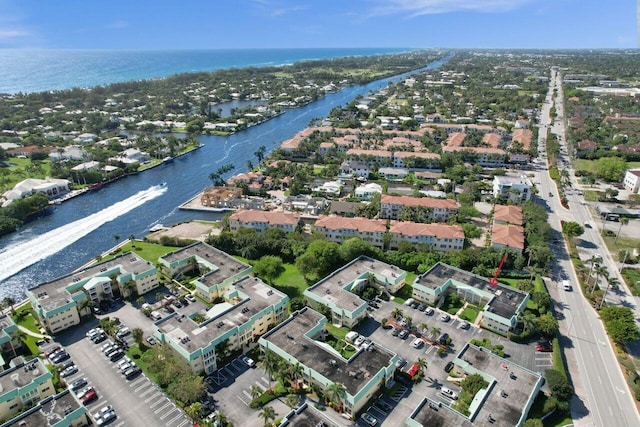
41 70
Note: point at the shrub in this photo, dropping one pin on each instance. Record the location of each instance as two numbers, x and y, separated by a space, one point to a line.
558 384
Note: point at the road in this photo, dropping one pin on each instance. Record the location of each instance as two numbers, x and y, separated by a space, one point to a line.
602 396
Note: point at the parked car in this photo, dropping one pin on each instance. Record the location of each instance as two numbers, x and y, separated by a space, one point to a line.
190 298
403 334
184 301
84 391
369 419
465 325
78 384
401 362
150 340
106 418
383 405
422 307
116 355
69 371
445 317
103 411
247 361
448 393
417 343
90 396
544 347
359 341
396 332
132 373
448 367
429 311
443 338
99 338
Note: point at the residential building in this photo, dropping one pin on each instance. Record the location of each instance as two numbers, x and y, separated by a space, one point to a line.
305 204
416 160
355 168
367 191
508 236
23 385
300 340
60 410
229 198
260 221
373 158
331 188
522 139
507 214
516 189
338 229
500 304
427 208
438 237
60 302
393 174
10 339
505 401
631 180
337 290
484 156
70 152
244 309
52 187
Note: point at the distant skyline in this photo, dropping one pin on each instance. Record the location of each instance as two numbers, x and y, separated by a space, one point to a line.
231 24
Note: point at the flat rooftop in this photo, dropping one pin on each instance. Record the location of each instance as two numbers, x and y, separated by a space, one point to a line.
51 295
505 409
310 352
225 265
191 336
331 287
506 299
49 412
21 375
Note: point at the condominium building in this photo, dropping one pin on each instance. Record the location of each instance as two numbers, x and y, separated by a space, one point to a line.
631 180
500 304
10 340
506 400
218 270
426 208
438 237
60 410
301 339
60 303
246 308
23 385
338 229
260 220
338 291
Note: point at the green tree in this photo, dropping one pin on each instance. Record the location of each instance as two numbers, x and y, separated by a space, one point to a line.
320 258
473 383
193 411
8 302
533 422
269 267
255 391
620 323
138 335
335 393
623 221
558 384
268 414
548 325
572 229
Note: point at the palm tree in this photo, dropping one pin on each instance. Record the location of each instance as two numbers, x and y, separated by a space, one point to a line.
193 410
611 281
335 393
85 305
9 302
268 413
529 321
255 391
422 363
623 221
408 319
292 400
270 363
397 313
600 271
424 327
435 331
128 287
296 372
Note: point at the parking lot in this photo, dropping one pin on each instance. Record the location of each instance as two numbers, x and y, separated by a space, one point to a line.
136 402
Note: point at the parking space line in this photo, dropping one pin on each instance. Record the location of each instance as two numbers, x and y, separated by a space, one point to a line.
185 422
147 391
136 382
153 396
157 403
142 387
241 400
175 418
162 407
166 413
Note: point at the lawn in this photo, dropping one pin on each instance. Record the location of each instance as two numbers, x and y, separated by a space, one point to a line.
136 354
593 195
632 278
25 319
623 243
148 251
405 292
470 313
291 282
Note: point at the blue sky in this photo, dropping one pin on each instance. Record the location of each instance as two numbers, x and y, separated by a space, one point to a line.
202 24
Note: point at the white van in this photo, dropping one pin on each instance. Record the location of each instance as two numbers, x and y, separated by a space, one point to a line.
409 301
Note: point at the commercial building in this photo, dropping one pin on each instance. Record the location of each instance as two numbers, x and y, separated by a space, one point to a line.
60 303
23 385
631 180
338 291
303 339
500 304
506 400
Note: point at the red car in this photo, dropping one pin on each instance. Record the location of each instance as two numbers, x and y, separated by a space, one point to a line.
546 348
90 396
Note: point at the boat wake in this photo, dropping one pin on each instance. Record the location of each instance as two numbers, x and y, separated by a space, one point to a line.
20 256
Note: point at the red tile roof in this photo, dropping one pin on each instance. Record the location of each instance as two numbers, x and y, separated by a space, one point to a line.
429 202
334 222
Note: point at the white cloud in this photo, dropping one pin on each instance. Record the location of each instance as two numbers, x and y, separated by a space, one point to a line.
13 34
413 8
117 24
282 11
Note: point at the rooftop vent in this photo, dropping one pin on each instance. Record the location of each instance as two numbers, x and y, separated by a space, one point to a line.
333 362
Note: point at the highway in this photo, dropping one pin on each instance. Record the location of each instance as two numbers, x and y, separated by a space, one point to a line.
602 395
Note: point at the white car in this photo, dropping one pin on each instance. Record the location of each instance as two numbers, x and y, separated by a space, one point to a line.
417 343
359 341
449 393
369 419
465 325
248 361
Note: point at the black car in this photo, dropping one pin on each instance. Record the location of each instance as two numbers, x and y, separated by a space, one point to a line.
78 384
448 367
383 405
184 301
177 303
443 338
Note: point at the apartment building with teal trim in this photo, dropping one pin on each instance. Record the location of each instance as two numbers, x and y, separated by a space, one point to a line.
60 410
248 309
338 291
219 270
23 385
501 304
300 340
506 400
9 339
60 303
